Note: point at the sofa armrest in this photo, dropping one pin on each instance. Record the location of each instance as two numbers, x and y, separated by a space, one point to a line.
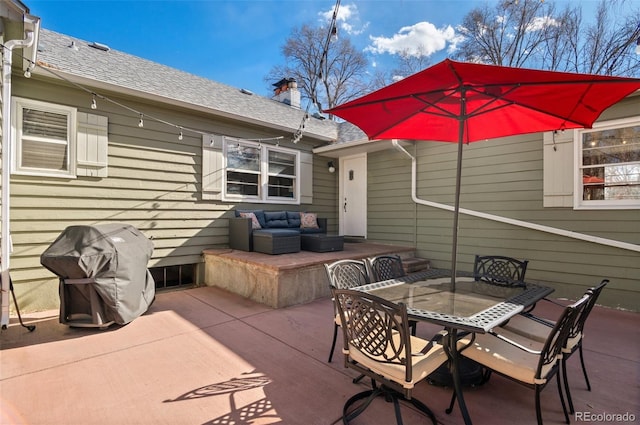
240 232
322 223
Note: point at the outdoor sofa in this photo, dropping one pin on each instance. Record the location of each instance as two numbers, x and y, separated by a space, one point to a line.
272 232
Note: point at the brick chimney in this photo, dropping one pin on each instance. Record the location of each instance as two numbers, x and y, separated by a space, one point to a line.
286 91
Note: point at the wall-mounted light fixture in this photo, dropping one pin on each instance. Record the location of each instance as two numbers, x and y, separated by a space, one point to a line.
332 167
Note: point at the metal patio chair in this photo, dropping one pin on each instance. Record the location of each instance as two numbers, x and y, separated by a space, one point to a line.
345 274
537 328
378 344
525 360
385 267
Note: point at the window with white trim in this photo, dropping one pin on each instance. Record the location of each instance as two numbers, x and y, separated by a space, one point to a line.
260 173
57 141
44 138
608 165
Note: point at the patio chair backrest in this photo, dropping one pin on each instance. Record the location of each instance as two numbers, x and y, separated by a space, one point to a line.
592 294
345 274
557 339
500 270
384 267
377 328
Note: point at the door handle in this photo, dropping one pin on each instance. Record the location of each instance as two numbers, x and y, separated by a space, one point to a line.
345 205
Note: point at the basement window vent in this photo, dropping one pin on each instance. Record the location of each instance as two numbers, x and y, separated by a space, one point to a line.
100 46
174 277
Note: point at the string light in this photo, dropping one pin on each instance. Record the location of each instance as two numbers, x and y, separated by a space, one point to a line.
94 105
27 72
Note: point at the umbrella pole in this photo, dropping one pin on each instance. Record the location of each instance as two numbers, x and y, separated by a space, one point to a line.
456 207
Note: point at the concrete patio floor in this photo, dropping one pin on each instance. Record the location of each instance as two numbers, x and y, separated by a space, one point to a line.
205 356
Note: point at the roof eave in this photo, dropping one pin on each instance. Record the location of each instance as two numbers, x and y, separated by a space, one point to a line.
114 88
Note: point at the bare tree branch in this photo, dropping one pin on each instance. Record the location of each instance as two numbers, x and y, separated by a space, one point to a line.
324 80
531 33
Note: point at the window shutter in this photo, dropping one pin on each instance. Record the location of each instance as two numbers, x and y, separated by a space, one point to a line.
212 167
558 169
306 178
92 145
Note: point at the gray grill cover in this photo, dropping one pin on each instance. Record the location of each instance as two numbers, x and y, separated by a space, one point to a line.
115 257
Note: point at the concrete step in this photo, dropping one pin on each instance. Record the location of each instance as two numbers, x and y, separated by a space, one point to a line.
414 264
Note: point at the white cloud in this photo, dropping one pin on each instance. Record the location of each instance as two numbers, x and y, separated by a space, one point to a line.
421 39
541 22
347 19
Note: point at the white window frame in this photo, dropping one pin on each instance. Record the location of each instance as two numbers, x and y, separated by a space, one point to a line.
263 174
18 104
581 204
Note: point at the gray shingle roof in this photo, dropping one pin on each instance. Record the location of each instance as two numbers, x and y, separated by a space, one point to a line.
75 57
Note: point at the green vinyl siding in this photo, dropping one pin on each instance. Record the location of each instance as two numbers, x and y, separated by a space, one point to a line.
154 183
504 177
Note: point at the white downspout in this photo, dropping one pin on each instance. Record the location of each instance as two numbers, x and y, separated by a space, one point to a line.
5 239
511 221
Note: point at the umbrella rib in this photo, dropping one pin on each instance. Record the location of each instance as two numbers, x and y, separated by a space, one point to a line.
614 80
444 113
483 108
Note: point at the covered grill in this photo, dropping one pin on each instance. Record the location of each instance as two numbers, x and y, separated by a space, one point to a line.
103 274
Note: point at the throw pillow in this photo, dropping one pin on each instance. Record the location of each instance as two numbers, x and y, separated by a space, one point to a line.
309 220
255 224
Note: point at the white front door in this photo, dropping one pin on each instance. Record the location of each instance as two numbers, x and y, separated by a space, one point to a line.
353 196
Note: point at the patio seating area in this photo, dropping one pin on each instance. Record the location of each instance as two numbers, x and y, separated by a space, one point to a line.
207 356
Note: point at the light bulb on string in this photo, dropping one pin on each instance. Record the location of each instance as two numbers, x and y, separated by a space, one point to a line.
180 135
93 105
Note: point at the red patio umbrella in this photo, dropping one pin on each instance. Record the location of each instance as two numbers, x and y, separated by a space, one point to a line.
467 102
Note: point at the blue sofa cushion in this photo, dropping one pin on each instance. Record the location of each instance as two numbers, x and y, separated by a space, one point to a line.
277 219
276 232
293 218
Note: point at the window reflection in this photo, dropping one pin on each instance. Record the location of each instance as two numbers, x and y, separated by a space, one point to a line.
611 164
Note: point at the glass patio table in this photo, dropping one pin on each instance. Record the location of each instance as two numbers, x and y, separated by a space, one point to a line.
470 306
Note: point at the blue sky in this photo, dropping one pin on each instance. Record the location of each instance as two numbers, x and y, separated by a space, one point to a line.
237 42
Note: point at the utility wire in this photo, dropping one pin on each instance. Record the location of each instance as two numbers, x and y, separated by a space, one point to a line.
143 116
333 32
